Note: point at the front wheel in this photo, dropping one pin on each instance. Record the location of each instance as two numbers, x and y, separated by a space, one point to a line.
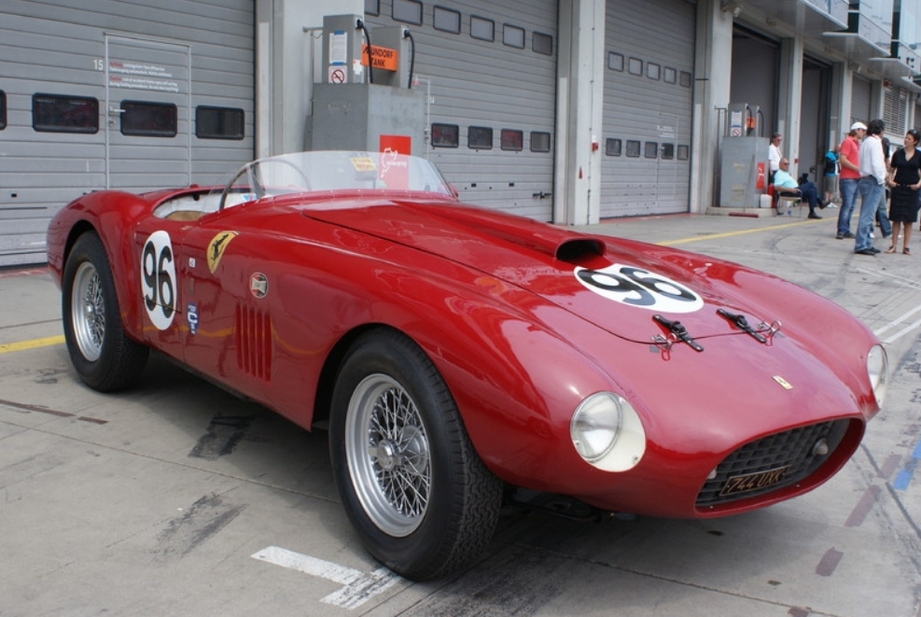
102 355
421 499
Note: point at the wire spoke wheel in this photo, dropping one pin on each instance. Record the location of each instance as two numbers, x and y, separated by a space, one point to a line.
88 314
100 350
418 495
388 455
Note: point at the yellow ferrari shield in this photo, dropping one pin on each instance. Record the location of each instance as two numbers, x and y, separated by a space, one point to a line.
217 246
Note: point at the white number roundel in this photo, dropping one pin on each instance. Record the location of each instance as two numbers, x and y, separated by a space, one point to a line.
640 288
158 279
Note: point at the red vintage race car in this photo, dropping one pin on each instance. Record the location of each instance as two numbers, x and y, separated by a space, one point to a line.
456 352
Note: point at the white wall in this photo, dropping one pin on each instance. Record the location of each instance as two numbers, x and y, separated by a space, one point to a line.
286 43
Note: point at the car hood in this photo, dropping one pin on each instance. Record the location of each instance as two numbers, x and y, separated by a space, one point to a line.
634 290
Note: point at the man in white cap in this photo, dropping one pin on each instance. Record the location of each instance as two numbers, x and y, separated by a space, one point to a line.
849 158
871 185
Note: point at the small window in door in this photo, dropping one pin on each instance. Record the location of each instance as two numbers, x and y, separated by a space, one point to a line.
446 20
482 28
513 36
445 135
612 147
635 66
684 153
60 113
147 119
542 43
651 151
668 151
540 141
479 138
218 122
633 148
510 139
407 11
2 110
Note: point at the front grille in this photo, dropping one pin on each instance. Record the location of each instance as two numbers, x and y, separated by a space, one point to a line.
771 463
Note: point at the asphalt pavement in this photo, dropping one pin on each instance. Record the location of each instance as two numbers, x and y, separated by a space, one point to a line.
177 498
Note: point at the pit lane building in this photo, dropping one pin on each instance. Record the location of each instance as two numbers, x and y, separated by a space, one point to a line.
569 111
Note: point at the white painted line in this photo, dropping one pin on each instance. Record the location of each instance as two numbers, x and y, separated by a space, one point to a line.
359 587
902 332
898 321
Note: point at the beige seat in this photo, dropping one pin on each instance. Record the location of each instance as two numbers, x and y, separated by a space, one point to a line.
183 215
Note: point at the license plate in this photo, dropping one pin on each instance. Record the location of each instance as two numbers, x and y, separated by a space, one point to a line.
754 481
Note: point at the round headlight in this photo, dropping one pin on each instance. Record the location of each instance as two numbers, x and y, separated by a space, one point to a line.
606 431
878 372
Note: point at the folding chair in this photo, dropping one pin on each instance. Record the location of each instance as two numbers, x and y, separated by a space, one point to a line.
784 202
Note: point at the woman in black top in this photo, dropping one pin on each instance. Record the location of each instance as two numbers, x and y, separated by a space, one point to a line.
904 180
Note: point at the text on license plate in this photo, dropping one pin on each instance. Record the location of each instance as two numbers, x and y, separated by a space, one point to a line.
753 481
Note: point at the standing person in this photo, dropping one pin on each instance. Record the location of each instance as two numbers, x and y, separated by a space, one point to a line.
774 154
904 181
870 186
882 219
830 161
849 158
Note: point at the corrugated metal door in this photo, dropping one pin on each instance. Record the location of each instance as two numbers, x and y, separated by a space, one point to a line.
648 98
148 108
895 113
490 71
860 100
54 77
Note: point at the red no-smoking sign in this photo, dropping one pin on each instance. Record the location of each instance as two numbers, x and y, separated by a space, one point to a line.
337 75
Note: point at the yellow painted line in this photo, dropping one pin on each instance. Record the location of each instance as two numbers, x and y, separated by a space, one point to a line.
33 344
730 234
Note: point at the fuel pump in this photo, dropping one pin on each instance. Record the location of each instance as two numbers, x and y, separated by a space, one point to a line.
365 100
744 158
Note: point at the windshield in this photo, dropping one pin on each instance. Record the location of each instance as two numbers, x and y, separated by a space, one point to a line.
324 171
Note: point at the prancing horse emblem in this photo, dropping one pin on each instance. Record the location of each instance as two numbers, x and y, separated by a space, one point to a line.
217 246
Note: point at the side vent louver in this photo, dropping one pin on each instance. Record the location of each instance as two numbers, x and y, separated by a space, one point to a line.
254 342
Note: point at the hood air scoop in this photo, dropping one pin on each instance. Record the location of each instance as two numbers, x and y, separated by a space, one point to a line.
576 249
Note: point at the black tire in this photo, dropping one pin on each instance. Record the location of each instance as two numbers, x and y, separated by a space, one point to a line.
102 355
419 452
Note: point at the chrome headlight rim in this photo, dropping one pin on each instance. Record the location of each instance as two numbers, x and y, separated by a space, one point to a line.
878 372
607 432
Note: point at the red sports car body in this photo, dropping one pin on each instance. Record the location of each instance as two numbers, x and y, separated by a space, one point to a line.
455 351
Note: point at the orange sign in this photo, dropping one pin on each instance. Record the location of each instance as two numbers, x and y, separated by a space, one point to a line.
382 57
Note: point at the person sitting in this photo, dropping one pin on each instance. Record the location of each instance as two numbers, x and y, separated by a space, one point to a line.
806 190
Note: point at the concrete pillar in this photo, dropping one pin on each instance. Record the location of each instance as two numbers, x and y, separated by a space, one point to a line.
286 43
712 73
841 94
789 109
580 98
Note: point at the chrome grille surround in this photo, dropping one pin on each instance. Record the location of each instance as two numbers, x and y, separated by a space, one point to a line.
794 450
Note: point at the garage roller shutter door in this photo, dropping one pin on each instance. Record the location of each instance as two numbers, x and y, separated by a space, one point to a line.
648 96
490 69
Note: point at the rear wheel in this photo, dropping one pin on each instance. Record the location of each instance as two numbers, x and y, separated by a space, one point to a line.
102 355
422 501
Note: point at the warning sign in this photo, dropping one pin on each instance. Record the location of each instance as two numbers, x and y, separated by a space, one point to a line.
363 163
382 57
338 75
